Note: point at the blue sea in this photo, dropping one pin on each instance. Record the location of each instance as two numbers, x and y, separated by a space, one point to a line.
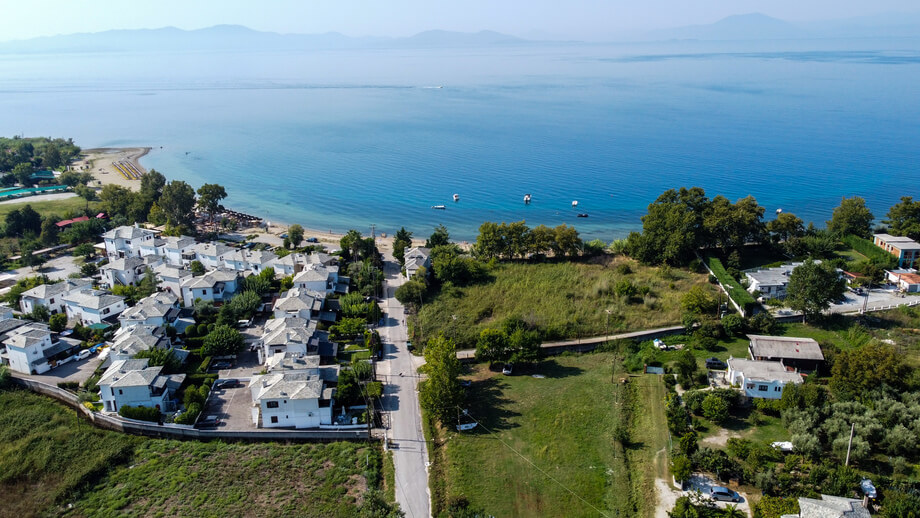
340 139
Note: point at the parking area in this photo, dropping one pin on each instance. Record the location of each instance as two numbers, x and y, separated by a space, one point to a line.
246 366
877 297
78 371
232 405
704 484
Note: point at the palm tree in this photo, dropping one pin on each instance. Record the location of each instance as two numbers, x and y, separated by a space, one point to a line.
732 511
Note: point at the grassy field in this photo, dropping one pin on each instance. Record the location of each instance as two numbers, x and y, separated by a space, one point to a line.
547 446
49 459
63 208
564 300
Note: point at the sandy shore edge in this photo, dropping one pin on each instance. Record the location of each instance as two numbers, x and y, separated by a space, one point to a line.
99 161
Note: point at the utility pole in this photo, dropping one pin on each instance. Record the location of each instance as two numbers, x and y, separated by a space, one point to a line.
850 444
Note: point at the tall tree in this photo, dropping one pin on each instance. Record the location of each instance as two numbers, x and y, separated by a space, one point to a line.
177 202
786 226
490 242
438 237
401 241
23 173
812 287
904 218
52 157
87 193
851 217
295 234
152 185
672 230
441 394
567 241
209 198
116 200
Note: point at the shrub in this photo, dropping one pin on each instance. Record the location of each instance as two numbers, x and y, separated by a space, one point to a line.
190 414
141 413
733 324
58 322
623 269
204 364
715 409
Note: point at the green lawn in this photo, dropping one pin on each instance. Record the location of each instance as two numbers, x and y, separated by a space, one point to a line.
563 300
50 458
63 208
564 424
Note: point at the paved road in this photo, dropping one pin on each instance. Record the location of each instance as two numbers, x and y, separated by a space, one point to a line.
400 402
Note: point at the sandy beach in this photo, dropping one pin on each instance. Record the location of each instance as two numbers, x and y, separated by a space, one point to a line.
100 162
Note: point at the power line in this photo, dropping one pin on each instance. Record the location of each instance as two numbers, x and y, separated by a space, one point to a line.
519 454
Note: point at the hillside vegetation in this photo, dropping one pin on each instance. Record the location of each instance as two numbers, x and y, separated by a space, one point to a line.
560 300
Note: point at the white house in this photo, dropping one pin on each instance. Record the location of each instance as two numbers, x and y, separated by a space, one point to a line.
29 349
249 260
137 338
301 303
292 395
416 258
906 279
178 251
159 309
93 306
211 255
124 271
771 282
316 277
132 382
126 241
51 295
170 277
288 335
292 264
215 286
760 379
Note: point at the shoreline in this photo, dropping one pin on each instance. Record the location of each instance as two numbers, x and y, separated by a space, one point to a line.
100 162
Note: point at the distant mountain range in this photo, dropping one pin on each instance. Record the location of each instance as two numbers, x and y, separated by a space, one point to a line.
753 26
237 37
757 26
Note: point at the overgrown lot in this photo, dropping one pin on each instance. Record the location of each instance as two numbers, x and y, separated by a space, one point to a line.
50 458
561 300
585 431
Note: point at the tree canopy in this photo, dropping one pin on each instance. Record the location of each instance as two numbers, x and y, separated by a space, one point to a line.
851 217
177 202
813 286
441 394
904 218
209 198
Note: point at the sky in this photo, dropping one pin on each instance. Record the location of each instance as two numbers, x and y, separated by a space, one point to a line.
577 19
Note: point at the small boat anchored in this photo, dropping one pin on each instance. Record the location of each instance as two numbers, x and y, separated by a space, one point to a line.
439 207
583 215
574 204
456 197
527 198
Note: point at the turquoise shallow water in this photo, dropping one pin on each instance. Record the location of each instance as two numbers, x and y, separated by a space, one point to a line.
342 139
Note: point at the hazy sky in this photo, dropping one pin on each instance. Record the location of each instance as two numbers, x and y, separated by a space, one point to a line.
583 19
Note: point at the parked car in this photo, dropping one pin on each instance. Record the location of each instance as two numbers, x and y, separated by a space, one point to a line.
507 369
715 363
84 354
409 345
225 384
312 240
724 494
209 421
466 383
221 365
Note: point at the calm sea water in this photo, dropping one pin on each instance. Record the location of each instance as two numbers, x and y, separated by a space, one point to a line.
346 139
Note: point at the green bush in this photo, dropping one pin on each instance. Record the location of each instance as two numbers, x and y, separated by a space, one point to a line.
875 254
190 414
735 291
140 413
204 364
58 322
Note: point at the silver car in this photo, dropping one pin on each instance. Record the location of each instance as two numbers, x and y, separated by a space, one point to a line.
724 494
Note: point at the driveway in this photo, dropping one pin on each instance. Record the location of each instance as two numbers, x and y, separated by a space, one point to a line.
79 371
877 297
233 406
246 366
400 402
56 268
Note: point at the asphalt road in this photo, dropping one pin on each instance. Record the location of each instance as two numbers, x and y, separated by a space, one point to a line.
400 402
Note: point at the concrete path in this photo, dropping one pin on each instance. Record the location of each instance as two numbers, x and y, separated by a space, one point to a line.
401 404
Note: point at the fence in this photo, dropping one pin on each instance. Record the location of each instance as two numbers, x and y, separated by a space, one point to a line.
174 431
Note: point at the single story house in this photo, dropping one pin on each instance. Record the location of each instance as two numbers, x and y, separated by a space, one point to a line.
830 507
906 279
904 248
132 382
799 353
51 295
771 282
760 379
93 306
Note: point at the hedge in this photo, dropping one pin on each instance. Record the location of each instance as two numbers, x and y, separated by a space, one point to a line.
735 291
875 254
141 413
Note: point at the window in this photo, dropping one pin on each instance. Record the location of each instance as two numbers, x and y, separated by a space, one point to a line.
106 311
762 388
274 419
120 392
272 404
777 389
51 301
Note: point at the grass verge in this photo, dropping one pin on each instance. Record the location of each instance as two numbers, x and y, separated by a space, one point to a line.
63 208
